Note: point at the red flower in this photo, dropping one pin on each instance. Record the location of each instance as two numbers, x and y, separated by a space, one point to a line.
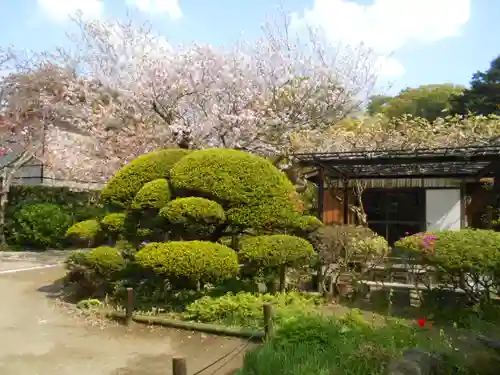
421 322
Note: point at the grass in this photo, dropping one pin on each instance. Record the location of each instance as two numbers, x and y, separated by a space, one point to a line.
350 345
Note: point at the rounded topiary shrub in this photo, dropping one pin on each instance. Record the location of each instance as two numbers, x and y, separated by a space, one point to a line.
275 250
268 214
93 272
193 210
307 224
114 223
41 225
84 233
126 183
193 260
154 194
231 177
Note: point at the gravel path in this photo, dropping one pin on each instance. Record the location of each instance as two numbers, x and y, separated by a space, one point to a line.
41 336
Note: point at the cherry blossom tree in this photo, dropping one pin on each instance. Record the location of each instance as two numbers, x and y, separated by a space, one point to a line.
21 121
253 96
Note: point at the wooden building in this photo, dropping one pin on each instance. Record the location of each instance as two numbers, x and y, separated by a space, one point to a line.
407 191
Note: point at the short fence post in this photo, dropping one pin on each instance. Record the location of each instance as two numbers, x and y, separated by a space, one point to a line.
179 366
489 217
268 321
129 309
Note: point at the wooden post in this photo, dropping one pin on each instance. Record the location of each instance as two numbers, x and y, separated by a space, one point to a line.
268 321
321 193
345 199
179 366
321 216
129 310
489 217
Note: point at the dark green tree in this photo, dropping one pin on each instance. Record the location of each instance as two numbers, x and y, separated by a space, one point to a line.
483 96
377 103
427 101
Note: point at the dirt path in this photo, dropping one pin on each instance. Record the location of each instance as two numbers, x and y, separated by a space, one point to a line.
39 337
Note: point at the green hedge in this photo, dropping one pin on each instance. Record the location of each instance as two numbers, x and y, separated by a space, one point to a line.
79 205
460 255
40 225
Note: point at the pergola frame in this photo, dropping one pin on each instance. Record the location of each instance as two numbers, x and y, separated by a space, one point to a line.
472 162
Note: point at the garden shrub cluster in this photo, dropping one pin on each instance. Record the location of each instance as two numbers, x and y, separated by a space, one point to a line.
92 273
312 344
468 259
185 225
176 207
347 251
41 225
245 309
38 217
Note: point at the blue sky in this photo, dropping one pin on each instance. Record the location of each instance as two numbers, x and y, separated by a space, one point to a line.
419 41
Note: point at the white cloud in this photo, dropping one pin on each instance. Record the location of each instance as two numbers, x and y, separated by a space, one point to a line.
60 10
387 25
170 7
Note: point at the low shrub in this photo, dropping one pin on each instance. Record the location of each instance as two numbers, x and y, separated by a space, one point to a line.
314 344
423 242
92 273
84 233
246 309
348 251
468 259
192 260
41 225
127 249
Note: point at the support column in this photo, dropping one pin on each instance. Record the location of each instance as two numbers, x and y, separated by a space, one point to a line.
321 193
345 199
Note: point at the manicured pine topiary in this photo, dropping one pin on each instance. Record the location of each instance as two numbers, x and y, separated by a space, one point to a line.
84 233
193 260
154 194
121 189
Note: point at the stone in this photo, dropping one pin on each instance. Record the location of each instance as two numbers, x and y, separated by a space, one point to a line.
414 362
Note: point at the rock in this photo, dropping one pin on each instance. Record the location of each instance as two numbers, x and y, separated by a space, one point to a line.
414 362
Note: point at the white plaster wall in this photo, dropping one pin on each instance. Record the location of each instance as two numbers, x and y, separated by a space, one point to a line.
442 209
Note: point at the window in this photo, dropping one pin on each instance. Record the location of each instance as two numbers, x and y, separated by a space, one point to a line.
394 212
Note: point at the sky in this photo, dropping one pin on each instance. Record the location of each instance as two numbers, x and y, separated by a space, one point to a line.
417 41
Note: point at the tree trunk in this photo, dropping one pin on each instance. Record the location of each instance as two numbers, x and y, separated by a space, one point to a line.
282 272
3 205
6 180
